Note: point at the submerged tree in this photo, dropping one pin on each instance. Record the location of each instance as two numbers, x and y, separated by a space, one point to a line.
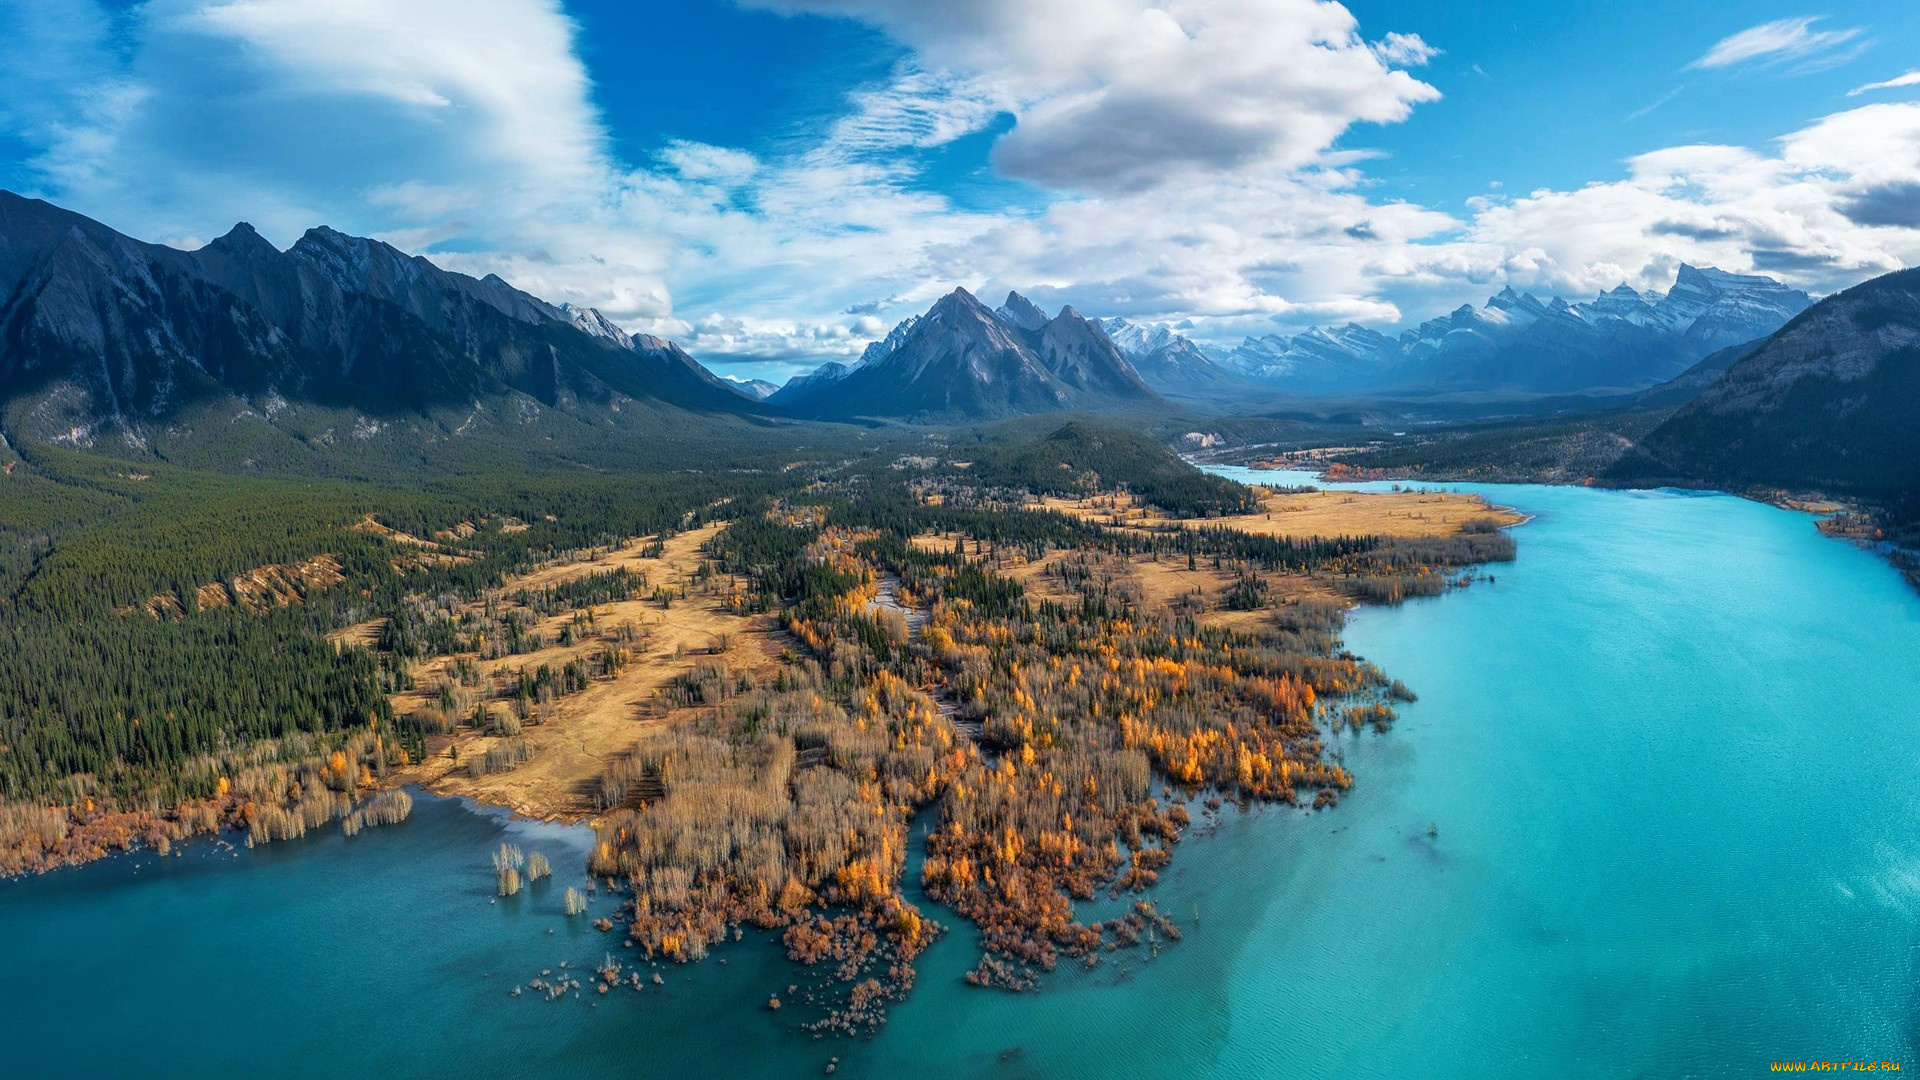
506 866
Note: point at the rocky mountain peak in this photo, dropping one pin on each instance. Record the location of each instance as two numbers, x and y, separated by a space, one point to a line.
139 330
243 241
1022 312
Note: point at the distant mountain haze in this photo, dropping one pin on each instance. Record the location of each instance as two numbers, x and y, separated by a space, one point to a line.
1172 364
1621 340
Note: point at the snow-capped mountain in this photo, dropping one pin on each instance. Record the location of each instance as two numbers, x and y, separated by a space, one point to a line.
885 346
961 360
1022 312
591 321
1321 358
757 389
1622 338
1170 362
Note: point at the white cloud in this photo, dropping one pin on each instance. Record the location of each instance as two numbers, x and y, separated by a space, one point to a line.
1911 78
1822 211
917 109
1115 95
1404 49
1774 42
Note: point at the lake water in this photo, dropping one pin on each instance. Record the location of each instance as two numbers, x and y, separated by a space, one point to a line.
1656 813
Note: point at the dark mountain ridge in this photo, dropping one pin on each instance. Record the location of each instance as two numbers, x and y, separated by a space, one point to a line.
126 333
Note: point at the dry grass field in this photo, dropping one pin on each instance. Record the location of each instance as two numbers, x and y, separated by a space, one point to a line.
1168 581
1318 513
581 731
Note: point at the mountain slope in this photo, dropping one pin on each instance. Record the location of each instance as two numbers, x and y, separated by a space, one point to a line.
1694 381
1829 403
963 361
757 389
118 334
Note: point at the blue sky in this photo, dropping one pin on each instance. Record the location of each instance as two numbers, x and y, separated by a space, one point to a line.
774 182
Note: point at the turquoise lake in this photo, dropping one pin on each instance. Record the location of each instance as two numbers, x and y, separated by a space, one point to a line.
1672 756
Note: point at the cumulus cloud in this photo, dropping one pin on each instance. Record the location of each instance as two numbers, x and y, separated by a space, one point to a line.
1115 95
1775 42
1827 208
1895 204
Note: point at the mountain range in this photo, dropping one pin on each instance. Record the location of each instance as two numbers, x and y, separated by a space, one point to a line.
99 331
962 360
1623 339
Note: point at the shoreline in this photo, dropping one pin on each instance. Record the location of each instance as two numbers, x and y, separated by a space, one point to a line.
1821 507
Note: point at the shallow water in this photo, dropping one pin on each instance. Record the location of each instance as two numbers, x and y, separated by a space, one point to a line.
1669 755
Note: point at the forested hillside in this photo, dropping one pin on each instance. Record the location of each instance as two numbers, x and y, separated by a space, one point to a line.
1830 404
1082 456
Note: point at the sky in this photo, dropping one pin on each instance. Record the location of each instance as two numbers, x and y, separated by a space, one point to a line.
773 183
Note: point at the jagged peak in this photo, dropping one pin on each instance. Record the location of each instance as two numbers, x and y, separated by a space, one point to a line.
589 320
958 304
1022 312
327 239
328 243
880 350
327 234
